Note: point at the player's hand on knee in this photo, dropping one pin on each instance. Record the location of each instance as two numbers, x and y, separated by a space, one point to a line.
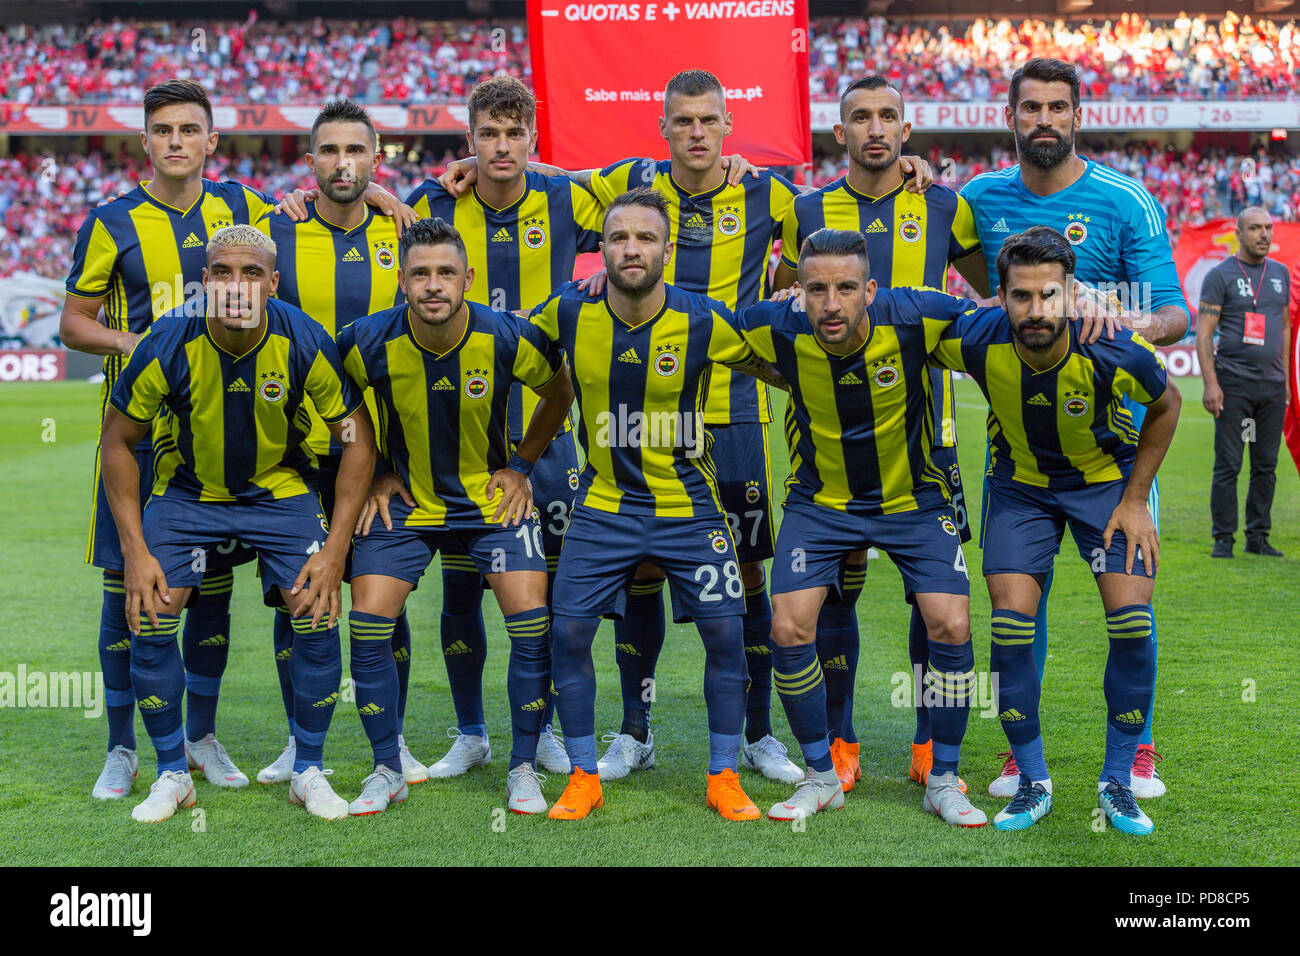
459 176
381 493
142 579
320 583
737 166
516 496
594 284
917 173
1134 520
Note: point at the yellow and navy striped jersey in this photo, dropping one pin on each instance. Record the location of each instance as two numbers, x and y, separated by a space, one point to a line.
911 239
724 240
443 417
1066 427
146 258
640 392
232 428
519 254
861 430
336 276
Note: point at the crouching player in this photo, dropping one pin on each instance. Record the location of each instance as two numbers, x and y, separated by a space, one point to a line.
1064 451
230 371
441 369
861 432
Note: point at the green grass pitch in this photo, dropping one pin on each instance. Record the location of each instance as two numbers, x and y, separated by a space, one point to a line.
1226 633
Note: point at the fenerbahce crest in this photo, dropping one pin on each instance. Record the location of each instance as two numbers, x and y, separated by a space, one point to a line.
272 387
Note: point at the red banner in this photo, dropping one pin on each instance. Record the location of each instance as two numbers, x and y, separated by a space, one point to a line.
33 365
1291 423
599 71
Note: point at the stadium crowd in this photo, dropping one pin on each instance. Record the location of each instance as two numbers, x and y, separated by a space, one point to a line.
44 198
405 60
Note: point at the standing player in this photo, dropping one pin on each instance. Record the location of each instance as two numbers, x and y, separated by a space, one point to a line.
522 232
231 369
1118 233
861 431
1065 451
442 370
911 238
338 264
641 355
136 258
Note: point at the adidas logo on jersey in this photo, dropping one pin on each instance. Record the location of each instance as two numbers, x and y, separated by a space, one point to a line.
839 663
191 241
1132 717
538 704
329 701
458 647
627 649
876 226
401 655
442 385
1039 399
848 378
759 649
1000 226
152 703
353 256
238 386
1011 714
216 640
124 645
284 654
696 222
370 710
502 235
630 357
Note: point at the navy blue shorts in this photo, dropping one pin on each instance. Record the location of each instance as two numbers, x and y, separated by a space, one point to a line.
602 551
185 536
1023 526
945 459
104 549
405 552
813 542
743 468
555 482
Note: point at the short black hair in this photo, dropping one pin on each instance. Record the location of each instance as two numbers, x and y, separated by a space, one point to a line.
176 91
429 232
343 111
647 198
1045 70
1033 247
872 82
503 97
693 83
837 242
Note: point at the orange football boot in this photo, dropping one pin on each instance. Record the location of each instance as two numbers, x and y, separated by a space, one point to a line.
580 797
726 796
843 770
922 761
850 754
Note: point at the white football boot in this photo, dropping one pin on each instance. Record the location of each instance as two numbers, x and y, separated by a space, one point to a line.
311 789
624 755
771 759
281 769
551 755
465 754
121 767
172 789
207 755
379 791
412 769
524 790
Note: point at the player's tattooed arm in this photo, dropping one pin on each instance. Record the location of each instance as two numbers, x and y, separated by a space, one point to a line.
146 585
1165 326
1207 320
80 328
762 370
1131 515
319 585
